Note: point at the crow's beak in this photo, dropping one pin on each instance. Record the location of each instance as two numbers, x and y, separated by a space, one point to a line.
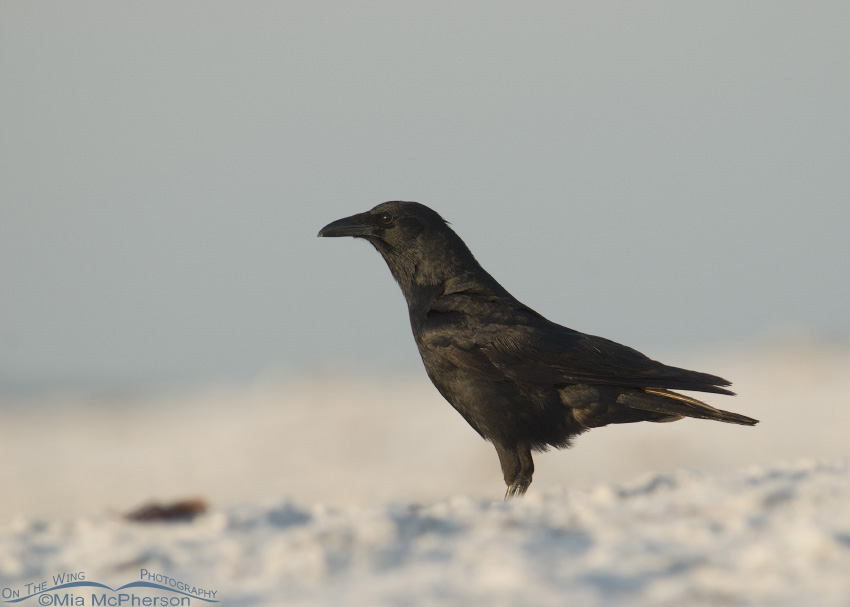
356 225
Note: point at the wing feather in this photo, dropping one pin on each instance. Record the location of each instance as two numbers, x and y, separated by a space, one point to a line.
519 345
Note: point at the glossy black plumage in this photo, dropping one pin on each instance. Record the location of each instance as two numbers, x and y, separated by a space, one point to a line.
521 381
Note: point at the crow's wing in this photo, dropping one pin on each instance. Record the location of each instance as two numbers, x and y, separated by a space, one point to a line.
500 340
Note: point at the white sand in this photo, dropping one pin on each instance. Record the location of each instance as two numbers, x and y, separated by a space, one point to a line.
367 492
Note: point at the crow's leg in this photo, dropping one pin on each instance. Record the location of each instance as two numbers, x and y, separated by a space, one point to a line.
526 469
517 468
509 461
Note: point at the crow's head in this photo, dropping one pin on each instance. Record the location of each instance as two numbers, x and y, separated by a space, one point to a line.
398 224
417 244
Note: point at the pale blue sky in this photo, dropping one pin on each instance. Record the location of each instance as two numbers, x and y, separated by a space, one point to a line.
682 170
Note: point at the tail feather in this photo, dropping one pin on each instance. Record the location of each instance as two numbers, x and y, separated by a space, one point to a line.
659 400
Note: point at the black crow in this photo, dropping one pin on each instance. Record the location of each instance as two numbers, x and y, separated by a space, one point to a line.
523 382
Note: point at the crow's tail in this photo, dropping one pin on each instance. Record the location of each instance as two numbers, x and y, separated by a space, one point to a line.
676 406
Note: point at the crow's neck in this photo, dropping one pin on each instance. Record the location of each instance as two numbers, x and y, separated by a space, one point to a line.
436 268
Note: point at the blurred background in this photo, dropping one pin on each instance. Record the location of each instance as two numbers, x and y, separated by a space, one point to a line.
682 168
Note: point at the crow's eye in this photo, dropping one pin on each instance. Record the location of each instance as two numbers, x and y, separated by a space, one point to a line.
386 218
